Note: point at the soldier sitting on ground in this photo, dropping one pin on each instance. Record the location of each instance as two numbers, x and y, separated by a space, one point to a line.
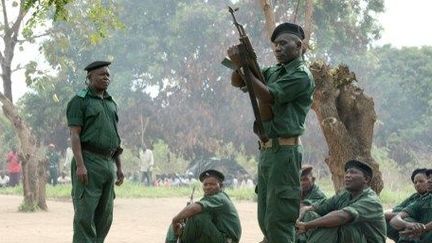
419 179
310 192
353 215
419 231
213 219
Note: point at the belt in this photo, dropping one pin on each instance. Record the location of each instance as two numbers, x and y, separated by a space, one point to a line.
291 141
108 153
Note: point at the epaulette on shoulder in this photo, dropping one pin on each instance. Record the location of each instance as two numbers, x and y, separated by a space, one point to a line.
82 93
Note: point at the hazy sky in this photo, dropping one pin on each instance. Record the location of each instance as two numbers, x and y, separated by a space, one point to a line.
405 23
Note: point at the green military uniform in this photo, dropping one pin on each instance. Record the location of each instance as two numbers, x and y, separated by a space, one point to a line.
367 226
217 223
93 203
314 196
421 212
292 87
392 233
53 161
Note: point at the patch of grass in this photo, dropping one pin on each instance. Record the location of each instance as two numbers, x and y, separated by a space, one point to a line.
389 196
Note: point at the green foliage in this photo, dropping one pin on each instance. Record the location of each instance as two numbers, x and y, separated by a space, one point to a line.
167 161
399 80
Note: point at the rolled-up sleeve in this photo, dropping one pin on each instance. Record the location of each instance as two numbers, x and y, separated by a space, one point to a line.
74 112
287 89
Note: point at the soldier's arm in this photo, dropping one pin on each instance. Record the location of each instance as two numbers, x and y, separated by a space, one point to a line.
81 171
189 211
398 221
120 175
332 219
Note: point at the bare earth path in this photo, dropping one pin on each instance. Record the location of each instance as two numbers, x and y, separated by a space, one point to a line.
135 221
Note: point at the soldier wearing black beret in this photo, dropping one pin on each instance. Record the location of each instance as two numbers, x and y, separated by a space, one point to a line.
211 219
287 88
353 215
92 120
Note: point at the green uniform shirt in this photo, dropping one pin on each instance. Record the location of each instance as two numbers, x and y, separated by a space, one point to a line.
224 214
421 212
366 210
315 196
97 117
292 88
407 202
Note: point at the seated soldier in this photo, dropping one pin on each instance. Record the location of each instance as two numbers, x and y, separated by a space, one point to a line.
419 179
213 219
420 211
353 215
310 193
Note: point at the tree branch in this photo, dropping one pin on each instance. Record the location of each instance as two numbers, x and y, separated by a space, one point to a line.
2 59
36 36
5 16
16 26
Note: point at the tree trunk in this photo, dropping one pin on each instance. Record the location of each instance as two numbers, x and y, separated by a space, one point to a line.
33 165
269 17
347 117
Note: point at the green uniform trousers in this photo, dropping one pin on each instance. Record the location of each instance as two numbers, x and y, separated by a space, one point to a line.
93 203
279 192
345 233
198 229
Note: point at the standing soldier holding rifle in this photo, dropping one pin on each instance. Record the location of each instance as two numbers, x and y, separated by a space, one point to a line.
284 92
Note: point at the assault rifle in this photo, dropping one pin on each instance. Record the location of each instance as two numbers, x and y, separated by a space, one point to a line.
187 204
249 67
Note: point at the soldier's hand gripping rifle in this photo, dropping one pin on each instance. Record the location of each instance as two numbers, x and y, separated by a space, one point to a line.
183 223
249 67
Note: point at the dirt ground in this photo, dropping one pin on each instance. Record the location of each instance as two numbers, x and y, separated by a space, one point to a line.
135 221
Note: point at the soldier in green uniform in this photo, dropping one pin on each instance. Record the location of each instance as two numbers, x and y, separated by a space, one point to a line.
213 219
53 164
353 215
419 230
420 181
288 90
92 120
310 192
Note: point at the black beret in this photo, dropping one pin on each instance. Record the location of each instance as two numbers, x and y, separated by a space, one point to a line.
288 28
95 65
428 172
367 170
418 171
213 173
306 170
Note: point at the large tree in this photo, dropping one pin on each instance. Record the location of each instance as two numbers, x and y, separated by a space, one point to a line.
169 73
19 24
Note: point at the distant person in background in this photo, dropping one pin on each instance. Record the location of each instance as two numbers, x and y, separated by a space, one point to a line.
4 179
146 165
310 192
13 167
68 157
420 181
53 164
